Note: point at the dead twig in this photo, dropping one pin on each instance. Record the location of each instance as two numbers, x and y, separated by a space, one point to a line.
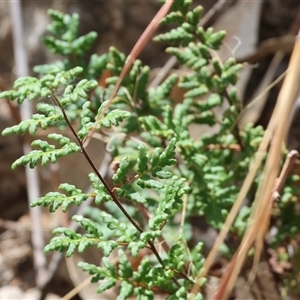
268 47
280 46
260 215
276 130
285 172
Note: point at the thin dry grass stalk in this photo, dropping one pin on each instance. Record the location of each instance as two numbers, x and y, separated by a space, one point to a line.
259 219
138 47
260 216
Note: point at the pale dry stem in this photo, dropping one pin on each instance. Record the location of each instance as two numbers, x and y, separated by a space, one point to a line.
138 47
259 219
260 216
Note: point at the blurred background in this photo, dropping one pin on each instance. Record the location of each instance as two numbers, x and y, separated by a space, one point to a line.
260 34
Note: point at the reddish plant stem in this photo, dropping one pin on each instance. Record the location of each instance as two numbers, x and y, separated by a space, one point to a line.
113 196
90 162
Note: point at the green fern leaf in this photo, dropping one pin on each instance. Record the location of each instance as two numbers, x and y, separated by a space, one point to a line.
48 153
55 199
126 291
120 175
107 247
106 285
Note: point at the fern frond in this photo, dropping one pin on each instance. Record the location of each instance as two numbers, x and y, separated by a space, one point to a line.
54 200
48 153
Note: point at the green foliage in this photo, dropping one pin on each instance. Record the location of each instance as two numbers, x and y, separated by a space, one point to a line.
66 27
163 171
69 240
47 153
55 199
48 117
